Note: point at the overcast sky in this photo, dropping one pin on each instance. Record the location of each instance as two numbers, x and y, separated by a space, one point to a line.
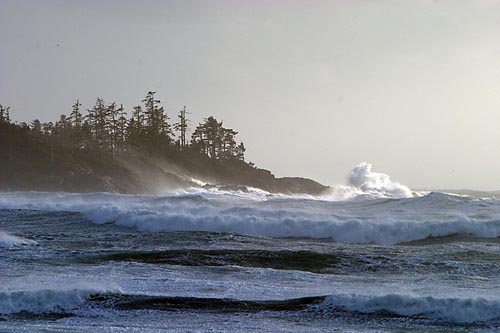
313 87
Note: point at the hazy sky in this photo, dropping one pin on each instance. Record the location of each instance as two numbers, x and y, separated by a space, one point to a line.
313 87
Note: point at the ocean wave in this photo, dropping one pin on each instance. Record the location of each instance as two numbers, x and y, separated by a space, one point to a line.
381 221
10 241
449 310
46 301
374 183
278 223
443 310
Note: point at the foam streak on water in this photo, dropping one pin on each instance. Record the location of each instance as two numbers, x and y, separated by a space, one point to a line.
370 255
359 220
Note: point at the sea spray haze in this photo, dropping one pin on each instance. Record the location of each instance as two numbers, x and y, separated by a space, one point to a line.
372 255
167 166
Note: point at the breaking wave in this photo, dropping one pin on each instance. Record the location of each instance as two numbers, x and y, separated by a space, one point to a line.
10 241
449 310
381 211
445 310
382 221
270 223
364 183
46 301
378 184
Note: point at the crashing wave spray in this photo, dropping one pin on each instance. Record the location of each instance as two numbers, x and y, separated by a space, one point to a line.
378 184
10 241
363 182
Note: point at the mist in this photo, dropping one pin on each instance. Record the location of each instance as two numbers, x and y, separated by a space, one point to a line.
313 88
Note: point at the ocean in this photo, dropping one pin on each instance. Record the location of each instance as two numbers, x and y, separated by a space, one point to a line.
376 258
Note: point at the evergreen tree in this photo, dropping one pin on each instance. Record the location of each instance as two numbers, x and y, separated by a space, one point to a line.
228 143
157 129
181 126
36 129
99 125
112 126
214 140
135 127
105 130
76 120
76 116
198 140
240 152
121 127
49 133
62 131
4 114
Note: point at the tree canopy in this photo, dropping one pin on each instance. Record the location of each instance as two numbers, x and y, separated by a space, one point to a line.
106 130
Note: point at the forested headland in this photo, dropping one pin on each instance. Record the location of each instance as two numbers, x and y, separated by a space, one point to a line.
143 150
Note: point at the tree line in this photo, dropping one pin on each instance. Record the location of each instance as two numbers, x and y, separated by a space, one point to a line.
106 129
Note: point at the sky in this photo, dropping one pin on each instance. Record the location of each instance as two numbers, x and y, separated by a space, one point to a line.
313 87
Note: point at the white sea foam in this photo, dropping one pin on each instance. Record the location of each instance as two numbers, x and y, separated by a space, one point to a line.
451 310
378 184
274 224
46 300
10 241
363 183
381 211
382 222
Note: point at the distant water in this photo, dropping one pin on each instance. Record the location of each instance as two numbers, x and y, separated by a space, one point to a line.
372 257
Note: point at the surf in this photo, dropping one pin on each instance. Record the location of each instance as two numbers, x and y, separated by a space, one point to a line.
379 211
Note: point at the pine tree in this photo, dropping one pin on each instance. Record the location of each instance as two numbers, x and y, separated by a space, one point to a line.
157 128
4 114
121 127
76 120
62 131
135 128
216 141
36 129
240 152
228 143
48 132
112 126
76 116
181 126
98 121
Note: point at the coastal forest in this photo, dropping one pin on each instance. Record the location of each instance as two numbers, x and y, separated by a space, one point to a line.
106 148
106 131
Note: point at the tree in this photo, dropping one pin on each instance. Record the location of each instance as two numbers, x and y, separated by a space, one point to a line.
157 129
36 129
4 114
112 126
47 128
76 120
198 141
240 152
135 127
228 143
48 132
214 140
76 116
105 130
181 126
99 125
62 131
121 127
